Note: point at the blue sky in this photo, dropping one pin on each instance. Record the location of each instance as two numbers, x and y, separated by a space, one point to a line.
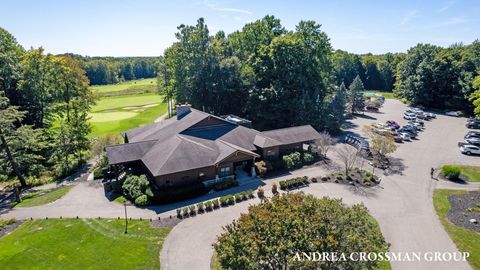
147 27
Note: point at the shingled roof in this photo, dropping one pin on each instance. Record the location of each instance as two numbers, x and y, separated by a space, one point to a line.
192 141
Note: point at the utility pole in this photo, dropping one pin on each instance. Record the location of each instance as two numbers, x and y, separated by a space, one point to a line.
126 219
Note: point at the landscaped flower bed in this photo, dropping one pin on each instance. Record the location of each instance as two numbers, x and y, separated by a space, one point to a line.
355 176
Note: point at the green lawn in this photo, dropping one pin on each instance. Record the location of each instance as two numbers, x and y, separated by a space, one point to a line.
82 244
142 83
465 240
387 95
121 113
472 172
51 196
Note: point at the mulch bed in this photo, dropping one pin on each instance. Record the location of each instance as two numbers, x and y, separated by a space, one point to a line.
10 228
356 177
165 222
459 213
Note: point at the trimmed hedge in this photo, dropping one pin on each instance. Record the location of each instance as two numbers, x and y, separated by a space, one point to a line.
293 182
227 200
225 184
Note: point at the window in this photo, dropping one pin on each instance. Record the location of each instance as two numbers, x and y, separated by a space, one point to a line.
225 171
270 153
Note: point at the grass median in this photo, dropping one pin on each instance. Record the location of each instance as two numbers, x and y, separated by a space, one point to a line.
50 196
82 244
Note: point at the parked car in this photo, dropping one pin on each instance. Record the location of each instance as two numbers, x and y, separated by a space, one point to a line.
472 134
469 149
473 123
454 113
431 115
396 137
417 125
423 116
405 136
412 131
393 123
473 140
409 116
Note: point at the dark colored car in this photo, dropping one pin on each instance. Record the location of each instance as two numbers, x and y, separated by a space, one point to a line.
410 130
393 123
473 123
396 137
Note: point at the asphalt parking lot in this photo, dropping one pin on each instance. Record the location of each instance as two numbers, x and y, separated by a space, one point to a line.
402 204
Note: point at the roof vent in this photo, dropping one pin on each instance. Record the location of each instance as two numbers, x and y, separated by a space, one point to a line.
182 110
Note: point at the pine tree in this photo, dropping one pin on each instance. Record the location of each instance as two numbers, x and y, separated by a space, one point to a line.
337 107
355 95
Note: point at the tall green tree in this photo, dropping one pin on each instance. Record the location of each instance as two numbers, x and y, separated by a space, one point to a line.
355 95
337 107
22 145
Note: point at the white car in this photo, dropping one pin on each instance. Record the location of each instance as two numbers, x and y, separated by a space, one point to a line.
473 140
405 136
409 116
469 149
415 124
455 114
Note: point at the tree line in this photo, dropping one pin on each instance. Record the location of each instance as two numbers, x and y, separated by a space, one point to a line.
110 70
274 77
44 105
279 78
440 78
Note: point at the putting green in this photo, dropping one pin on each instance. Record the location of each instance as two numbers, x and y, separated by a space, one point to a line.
110 116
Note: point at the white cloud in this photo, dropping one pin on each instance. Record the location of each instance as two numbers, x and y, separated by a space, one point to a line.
215 6
447 6
409 16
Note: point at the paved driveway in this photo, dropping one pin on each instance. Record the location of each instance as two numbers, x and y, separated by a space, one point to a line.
402 204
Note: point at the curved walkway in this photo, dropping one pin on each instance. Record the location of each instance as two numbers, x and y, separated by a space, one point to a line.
403 203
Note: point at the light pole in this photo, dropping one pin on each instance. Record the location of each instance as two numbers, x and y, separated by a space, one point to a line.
126 219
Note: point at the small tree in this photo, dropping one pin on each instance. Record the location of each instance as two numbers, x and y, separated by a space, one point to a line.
383 145
348 155
355 95
323 144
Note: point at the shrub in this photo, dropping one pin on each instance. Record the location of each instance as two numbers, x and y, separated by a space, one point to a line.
208 205
451 171
261 167
274 188
227 200
216 203
250 194
141 200
185 211
238 197
308 158
314 180
200 207
191 209
293 182
98 173
225 184
324 178
136 186
260 193
292 160
179 212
